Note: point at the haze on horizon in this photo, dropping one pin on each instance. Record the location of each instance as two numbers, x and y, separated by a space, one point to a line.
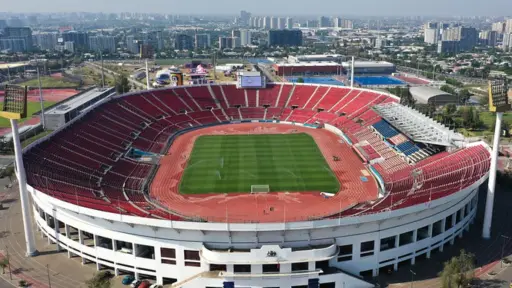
269 7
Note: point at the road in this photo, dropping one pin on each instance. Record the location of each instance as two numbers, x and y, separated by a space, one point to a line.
111 73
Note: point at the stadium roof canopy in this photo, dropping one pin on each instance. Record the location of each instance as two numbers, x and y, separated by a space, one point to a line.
426 94
417 126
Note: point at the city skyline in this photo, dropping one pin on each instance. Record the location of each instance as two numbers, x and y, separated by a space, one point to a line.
296 7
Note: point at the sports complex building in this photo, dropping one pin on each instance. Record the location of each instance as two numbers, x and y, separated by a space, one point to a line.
284 186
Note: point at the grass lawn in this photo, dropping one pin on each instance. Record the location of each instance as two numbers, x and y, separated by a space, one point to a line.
32 107
49 82
232 163
488 118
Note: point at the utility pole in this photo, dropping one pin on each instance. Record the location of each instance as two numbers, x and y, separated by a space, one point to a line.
48 273
412 277
102 71
503 248
8 262
8 75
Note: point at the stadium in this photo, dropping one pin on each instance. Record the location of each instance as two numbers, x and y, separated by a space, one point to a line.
292 185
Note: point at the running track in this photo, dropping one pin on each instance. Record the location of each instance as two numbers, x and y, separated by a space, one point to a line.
246 207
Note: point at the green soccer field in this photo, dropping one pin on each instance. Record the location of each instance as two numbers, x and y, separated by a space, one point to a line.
232 163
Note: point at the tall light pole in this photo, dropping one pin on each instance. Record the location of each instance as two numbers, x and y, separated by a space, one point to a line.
14 108
498 102
41 100
412 277
352 73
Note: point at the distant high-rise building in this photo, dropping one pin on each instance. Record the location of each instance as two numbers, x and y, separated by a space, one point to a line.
488 38
202 41
183 42
102 43
266 22
281 23
467 36
235 33
132 44
46 41
245 37
225 42
431 35
273 23
291 37
261 23
146 51
236 42
69 46
244 17
499 27
347 24
312 23
431 25
448 47
324 21
3 24
80 39
508 26
17 39
337 22
153 38
289 23
507 42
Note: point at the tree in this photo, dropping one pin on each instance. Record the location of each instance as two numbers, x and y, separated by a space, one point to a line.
449 109
300 80
100 280
464 95
122 84
4 263
447 89
458 271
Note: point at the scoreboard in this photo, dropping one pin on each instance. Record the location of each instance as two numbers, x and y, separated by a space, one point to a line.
250 80
498 95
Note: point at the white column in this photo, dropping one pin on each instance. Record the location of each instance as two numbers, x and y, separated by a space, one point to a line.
486 231
25 210
352 73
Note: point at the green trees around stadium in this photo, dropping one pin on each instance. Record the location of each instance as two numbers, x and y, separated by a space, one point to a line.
300 80
4 263
122 84
99 280
458 271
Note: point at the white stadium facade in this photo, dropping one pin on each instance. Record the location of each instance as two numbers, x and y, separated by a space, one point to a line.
417 209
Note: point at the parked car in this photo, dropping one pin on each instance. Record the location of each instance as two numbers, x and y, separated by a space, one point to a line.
145 284
128 279
156 286
135 283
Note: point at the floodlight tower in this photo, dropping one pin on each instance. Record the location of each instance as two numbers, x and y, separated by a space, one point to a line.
147 76
15 107
498 102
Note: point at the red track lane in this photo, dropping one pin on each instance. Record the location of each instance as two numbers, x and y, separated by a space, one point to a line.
271 207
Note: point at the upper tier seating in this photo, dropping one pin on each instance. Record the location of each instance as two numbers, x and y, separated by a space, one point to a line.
85 162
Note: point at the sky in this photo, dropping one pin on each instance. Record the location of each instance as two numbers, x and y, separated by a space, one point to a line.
272 7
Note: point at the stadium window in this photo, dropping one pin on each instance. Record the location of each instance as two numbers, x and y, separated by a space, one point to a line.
218 267
168 253
192 264
422 233
168 261
242 268
345 250
271 268
437 228
367 248
387 243
300 266
448 223
406 238
192 255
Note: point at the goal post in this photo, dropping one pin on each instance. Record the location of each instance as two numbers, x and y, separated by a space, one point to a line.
260 188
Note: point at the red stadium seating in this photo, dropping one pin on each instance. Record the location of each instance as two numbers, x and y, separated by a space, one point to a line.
85 163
